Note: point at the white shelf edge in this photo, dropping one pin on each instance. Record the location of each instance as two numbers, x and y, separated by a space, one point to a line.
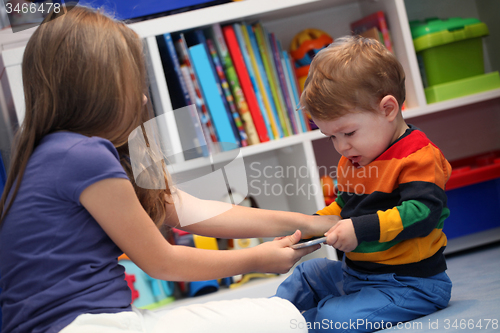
246 151
316 134
11 57
451 104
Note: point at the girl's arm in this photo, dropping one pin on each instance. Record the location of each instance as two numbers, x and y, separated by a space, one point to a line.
224 220
114 204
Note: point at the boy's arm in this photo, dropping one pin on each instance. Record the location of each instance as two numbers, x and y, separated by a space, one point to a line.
335 208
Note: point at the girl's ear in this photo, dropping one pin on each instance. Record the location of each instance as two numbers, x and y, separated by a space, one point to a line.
389 107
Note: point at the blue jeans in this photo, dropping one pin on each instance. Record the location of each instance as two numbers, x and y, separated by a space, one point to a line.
334 297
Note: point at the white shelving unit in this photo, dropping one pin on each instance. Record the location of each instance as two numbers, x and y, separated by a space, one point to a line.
460 127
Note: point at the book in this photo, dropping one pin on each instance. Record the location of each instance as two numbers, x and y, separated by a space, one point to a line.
262 81
293 89
190 133
196 37
217 36
277 51
206 121
374 34
274 50
378 20
249 67
270 69
246 84
192 92
227 92
211 94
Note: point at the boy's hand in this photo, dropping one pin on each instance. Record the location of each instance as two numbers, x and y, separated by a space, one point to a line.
342 236
278 257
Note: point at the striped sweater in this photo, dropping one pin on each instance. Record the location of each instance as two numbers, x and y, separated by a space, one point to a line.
397 204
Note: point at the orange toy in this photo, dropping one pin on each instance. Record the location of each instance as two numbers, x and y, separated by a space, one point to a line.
328 186
304 47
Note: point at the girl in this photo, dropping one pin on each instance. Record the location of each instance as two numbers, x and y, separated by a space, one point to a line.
69 209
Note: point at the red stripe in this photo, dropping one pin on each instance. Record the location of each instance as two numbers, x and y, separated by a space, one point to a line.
415 141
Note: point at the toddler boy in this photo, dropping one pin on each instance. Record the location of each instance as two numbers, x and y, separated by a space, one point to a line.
391 201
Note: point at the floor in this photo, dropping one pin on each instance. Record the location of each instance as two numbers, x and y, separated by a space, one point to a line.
475 299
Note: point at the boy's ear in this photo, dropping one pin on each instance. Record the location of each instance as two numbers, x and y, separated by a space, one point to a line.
389 107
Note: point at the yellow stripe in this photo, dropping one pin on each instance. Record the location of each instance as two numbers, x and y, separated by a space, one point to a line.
390 224
332 209
407 252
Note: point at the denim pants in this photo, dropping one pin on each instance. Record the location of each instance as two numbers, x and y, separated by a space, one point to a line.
333 297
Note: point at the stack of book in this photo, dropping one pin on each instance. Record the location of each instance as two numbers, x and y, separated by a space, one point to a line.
241 81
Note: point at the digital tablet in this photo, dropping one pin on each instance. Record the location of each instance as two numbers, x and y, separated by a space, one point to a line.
308 242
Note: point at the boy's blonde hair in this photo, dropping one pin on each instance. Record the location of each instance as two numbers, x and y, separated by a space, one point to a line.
353 72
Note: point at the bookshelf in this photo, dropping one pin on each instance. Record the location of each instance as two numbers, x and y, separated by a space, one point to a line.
460 127
334 17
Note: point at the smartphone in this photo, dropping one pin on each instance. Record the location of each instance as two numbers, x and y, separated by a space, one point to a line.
308 242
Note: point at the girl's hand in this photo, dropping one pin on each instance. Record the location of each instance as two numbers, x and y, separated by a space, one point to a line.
320 224
342 236
278 257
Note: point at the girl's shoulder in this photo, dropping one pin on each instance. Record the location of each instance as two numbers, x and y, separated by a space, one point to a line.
64 142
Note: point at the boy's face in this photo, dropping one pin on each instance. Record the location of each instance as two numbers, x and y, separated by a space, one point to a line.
360 136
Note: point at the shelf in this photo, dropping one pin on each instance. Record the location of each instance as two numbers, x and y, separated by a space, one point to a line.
316 134
262 9
450 104
246 151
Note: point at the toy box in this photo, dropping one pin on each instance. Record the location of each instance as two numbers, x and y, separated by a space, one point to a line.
450 56
473 192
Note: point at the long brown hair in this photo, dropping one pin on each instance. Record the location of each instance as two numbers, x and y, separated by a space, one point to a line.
82 72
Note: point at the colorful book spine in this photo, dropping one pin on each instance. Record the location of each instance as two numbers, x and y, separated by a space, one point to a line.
210 89
191 134
277 53
292 91
276 72
203 113
275 119
192 93
296 90
378 20
275 48
270 73
227 93
291 105
246 84
198 37
253 79
234 83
